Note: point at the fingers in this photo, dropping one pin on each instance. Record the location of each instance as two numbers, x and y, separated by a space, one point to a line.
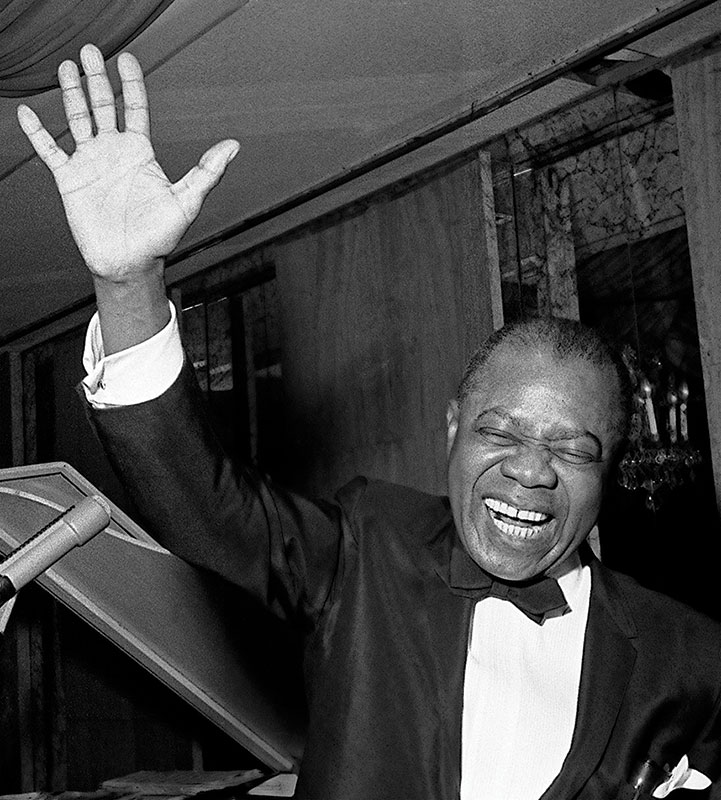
191 189
45 146
76 109
102 100
135 100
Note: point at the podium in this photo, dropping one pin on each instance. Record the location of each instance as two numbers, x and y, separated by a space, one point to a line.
170 617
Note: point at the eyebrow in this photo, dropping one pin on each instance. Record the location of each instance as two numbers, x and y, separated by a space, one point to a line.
564 434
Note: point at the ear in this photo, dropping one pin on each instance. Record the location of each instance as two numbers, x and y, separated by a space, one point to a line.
453 414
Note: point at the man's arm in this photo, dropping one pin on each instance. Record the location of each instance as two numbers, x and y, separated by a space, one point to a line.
126 217
281 548
124 213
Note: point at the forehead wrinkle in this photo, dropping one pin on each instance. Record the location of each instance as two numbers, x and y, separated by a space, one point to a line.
556 434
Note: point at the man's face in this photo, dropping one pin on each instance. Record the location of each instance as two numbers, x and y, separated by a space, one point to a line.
528 455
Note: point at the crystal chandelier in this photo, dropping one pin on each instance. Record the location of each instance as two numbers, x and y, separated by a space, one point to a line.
660 456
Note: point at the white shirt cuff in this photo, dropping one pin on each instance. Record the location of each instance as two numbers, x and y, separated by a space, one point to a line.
140 373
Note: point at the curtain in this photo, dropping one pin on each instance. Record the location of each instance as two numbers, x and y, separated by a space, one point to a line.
36 35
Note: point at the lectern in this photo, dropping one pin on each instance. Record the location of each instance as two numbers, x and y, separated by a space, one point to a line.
170 617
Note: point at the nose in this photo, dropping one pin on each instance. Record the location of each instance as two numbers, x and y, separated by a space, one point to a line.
530 465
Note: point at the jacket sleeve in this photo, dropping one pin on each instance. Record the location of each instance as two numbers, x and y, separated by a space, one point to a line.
705 756
281 548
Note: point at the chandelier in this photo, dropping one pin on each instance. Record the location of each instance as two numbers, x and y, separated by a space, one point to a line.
660 456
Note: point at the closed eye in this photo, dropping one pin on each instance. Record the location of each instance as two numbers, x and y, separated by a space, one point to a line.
575 457
497 437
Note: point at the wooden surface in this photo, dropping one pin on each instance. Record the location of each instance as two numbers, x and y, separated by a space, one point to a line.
184 783
11 409
697 100
160 611
380 309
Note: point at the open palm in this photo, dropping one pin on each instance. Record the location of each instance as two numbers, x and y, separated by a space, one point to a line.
122 209
123 212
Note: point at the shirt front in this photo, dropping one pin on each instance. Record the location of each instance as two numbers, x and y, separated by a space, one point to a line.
521 693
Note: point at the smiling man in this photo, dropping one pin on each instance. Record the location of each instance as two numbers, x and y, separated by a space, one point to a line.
465 646
542 411
541 416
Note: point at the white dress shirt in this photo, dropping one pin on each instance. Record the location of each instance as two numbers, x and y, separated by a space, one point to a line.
522 679
135 375
521 693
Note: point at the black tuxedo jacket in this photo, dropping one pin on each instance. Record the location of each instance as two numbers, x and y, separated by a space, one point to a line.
382 590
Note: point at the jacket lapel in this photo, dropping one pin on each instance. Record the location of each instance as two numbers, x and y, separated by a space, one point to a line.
448 613
608 659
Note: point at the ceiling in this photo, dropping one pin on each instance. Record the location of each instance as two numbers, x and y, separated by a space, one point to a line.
329 100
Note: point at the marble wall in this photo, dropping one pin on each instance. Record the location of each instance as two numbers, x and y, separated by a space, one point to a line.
620 155
590 179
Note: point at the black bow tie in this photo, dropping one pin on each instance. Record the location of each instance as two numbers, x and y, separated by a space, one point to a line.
537 598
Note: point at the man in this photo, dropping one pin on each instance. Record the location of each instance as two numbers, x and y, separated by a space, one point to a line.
465 647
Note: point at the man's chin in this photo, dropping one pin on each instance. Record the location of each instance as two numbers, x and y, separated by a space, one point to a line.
510 561
516 575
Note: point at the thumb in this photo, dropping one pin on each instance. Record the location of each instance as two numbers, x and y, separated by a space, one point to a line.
193 187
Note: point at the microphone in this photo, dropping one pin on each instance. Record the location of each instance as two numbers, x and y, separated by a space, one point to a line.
72 528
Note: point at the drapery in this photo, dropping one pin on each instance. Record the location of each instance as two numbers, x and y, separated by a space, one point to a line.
36 35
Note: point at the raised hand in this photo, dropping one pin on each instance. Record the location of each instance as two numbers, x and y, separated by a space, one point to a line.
123 211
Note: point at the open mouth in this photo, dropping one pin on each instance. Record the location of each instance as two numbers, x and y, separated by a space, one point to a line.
523 523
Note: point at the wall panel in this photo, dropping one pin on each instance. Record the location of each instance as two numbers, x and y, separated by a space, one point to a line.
697 98
381 308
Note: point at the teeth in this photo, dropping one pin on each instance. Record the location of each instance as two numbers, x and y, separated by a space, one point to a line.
515 513
522 531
